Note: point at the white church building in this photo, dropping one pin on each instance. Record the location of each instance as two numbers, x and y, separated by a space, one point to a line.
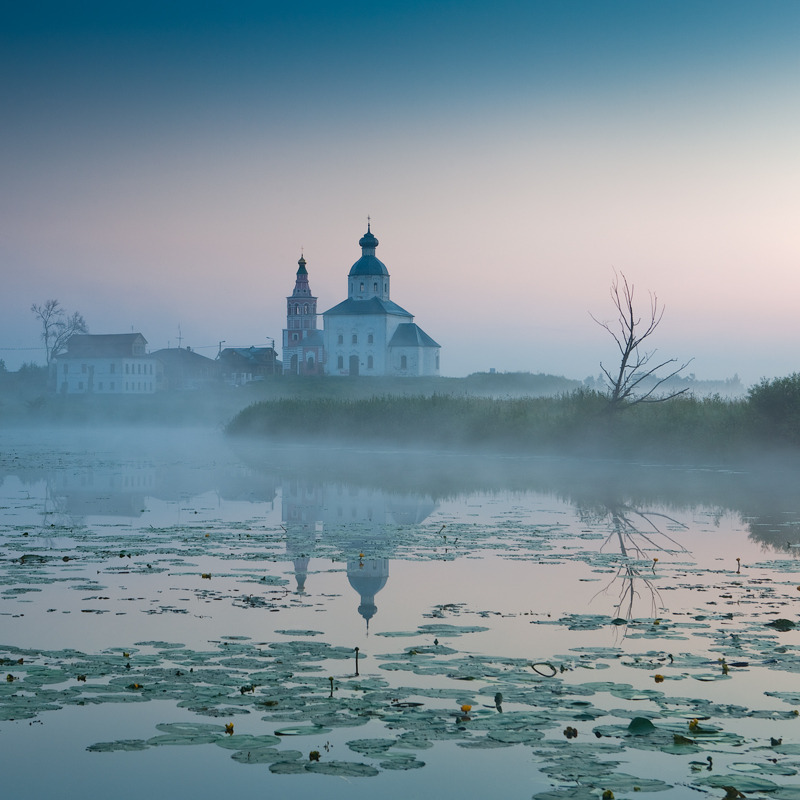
366 334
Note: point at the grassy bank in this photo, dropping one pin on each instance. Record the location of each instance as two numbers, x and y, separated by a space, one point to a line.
576 423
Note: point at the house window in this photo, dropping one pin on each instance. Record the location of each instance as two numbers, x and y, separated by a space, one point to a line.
370 339
340 340
369 362
113 368
83 368
355 338
403 362
340 362
66 368
126 372
80 386
151 369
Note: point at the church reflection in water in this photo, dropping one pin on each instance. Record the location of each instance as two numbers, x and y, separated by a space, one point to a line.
358 519
356 522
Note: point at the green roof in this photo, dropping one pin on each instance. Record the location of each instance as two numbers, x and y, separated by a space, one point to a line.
363 307
409 334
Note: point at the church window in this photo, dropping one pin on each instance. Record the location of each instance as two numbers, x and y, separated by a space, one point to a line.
369 362
294 337
403 362
83 368
113 368
355 338
362 286
370 339
305 308
66 368
340 362
297 309
340 340
437 361
375 286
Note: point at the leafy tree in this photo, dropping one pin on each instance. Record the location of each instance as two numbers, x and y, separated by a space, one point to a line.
57 326
636 379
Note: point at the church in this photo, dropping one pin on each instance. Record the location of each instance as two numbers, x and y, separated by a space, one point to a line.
366 334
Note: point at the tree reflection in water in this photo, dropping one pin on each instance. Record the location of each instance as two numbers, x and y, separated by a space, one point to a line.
638 536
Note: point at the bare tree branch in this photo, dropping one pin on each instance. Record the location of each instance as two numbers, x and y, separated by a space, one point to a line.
635 380
57 327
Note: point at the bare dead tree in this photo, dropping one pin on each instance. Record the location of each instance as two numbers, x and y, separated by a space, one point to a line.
57 326
636 379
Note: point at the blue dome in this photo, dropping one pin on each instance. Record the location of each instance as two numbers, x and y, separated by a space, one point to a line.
368 265
368 240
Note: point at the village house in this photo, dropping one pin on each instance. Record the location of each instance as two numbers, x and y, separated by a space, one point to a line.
183 369
109 363
241 365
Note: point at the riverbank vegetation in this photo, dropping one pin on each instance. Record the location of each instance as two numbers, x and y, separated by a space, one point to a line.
578 422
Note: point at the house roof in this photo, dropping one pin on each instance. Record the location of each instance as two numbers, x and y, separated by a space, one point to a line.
182 356
409 334
102 345
373 306
256 356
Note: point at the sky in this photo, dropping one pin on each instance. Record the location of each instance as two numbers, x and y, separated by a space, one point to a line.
163 168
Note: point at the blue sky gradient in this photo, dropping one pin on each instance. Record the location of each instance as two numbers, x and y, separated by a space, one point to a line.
164 167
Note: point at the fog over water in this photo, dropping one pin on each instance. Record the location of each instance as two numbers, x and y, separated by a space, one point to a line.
179 545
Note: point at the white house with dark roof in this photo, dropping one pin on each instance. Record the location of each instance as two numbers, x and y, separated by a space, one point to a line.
369 334
109 363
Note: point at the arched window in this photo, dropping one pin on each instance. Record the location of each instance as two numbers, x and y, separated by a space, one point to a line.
297 308
375 286
340 340
369 362
403 362
362 286
305 308
340 362
370 339
355 338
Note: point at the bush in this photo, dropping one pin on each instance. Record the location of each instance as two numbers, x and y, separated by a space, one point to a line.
776 406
